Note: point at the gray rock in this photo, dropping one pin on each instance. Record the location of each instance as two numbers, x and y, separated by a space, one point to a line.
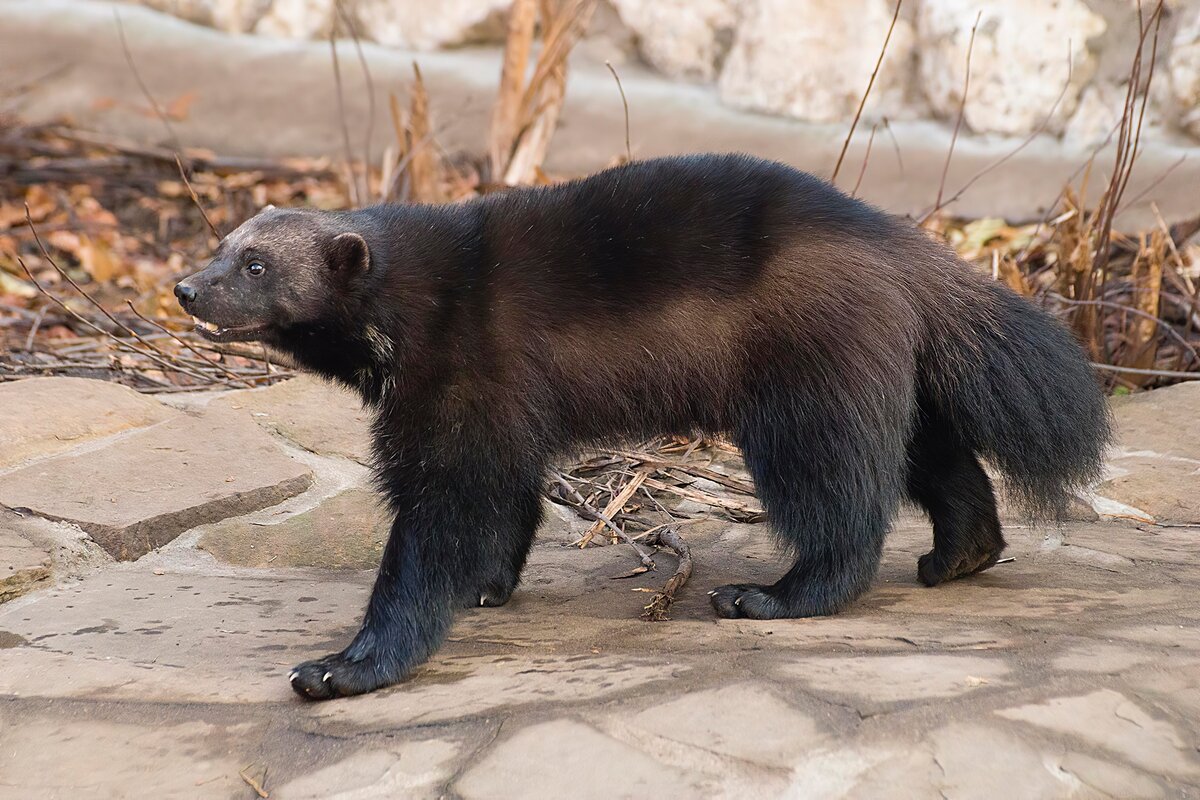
346 531
44 416
1158 460
1112 721
316 415
565 758
141 491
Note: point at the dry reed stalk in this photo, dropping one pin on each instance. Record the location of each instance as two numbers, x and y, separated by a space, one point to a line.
526 112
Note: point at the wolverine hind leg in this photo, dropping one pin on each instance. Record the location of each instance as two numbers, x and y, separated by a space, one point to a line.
948 482
823 479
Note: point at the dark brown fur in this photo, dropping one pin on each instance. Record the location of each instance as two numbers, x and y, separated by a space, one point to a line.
855 361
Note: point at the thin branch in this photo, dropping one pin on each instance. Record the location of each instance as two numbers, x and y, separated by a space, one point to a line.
230 373
866 160
137 76
962 109
370 83
659 607
195 199
341 105
1154 373
165 120
863 101
1038 131
625 103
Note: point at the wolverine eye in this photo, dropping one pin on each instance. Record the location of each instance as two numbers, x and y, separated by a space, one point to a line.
256 268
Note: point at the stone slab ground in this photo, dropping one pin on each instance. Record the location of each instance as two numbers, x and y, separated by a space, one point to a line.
1072 670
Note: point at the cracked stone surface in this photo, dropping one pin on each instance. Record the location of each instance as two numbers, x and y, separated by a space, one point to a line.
1157 468
70 411
304 539
23 564
140 491
1071 671
312 413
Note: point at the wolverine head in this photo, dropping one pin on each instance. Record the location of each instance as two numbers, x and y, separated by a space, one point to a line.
280 268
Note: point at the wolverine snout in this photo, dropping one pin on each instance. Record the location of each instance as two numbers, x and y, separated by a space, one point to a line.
185 294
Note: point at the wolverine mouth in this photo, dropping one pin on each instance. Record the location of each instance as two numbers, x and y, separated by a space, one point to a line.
217 333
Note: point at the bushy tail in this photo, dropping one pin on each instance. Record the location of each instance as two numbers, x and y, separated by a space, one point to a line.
1019 391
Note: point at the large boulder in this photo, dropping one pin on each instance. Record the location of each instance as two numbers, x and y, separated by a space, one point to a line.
815 65
1024 51
682 38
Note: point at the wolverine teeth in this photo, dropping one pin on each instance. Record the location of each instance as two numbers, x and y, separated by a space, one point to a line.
208 326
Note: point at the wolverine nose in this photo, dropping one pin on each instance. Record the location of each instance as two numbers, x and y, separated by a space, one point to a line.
185 294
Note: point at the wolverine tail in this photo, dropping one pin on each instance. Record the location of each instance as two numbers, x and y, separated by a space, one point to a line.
1019 392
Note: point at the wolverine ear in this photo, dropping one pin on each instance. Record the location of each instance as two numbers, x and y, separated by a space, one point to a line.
347 253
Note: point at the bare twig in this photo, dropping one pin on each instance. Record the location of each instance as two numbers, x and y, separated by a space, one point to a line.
1154 373
625 103
659 607
355 199
259 786
866 160
863 101
166 122
370 85
228 372
1038 131
962 109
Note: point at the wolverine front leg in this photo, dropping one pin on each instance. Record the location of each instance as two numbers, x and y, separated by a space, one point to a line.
449 544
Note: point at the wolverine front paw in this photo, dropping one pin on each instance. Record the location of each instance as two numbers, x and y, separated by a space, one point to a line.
746 600
337 675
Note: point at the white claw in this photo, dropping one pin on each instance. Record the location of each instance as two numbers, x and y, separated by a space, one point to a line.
328 675
737 602
293 675
482 599
713 592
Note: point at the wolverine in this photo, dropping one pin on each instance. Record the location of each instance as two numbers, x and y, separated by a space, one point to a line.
856 361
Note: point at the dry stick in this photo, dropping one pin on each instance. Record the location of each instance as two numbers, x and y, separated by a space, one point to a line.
659 607
166 122
1127 141
1040 129
1137 312
614 507
258 787
33 329
362 60
962 109
866 160
625 103
120 325
1156 373
117 340
341 104
887 126
1156 18
1154 184
184 342
137 76
605 519
195 199
863 102
518 45
1126 155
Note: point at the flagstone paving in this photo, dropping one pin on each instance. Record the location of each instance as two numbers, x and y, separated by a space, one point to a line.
247 528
